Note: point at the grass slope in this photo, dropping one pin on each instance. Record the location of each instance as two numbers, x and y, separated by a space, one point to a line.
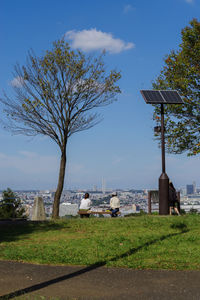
145 242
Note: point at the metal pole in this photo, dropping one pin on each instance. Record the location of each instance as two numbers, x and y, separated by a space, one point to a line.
163 138
164 179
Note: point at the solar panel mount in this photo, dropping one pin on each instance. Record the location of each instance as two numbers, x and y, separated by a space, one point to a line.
161 97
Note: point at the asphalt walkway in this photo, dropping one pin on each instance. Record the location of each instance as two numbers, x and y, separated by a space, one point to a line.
28 281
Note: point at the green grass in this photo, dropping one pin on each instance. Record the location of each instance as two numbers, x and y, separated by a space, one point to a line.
145 242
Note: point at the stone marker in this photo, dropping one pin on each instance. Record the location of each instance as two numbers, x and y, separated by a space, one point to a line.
38 210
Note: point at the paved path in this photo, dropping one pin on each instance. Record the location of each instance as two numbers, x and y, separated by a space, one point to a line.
95 282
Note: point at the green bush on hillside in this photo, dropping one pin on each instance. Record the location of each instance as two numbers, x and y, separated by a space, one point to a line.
11 206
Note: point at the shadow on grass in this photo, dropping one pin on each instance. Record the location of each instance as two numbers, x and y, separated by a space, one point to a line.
12 230
87 269
181 226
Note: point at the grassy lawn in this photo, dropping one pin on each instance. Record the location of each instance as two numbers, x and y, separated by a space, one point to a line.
144 242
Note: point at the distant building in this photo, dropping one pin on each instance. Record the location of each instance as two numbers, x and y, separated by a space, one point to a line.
134 208
103 186
190 189
195 188
183 191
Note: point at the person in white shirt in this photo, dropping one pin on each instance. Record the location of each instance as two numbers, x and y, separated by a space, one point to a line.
85 204
114 205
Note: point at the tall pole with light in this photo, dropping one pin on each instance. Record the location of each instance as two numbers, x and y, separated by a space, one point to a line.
162 97
164 179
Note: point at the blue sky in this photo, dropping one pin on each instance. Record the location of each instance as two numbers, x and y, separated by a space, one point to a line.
137 35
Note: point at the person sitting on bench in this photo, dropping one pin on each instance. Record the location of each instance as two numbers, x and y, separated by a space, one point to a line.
114 205
85 205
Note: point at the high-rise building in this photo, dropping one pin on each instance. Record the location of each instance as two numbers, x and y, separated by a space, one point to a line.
183 191
194 186
190 189
103 186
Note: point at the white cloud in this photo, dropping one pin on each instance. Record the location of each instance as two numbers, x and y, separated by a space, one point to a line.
117 159
75 169
29 163
17 82
128 8
28 154
29 170
90 40
189 1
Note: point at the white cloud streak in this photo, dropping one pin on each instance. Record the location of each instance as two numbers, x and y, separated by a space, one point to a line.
128 8
17 82
117 160
91 40
29 163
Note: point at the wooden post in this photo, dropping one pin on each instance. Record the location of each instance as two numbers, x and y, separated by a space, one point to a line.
149 202
179 201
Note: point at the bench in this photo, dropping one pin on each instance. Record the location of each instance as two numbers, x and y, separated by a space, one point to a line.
89 212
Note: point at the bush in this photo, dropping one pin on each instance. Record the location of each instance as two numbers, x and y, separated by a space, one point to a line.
11 206
155 213
182 211
193 211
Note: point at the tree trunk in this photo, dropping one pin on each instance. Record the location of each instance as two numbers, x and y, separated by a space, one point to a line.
55 213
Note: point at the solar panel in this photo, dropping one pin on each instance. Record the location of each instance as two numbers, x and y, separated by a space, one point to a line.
161 97
152 96
172 97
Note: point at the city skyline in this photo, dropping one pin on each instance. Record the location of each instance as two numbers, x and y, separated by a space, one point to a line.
136 35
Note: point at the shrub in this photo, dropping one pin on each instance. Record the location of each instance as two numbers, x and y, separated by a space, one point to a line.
11 206
193 211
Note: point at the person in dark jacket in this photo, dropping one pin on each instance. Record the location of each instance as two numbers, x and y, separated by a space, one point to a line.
173 201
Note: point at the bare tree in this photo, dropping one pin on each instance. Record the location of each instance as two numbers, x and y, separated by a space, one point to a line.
54 96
